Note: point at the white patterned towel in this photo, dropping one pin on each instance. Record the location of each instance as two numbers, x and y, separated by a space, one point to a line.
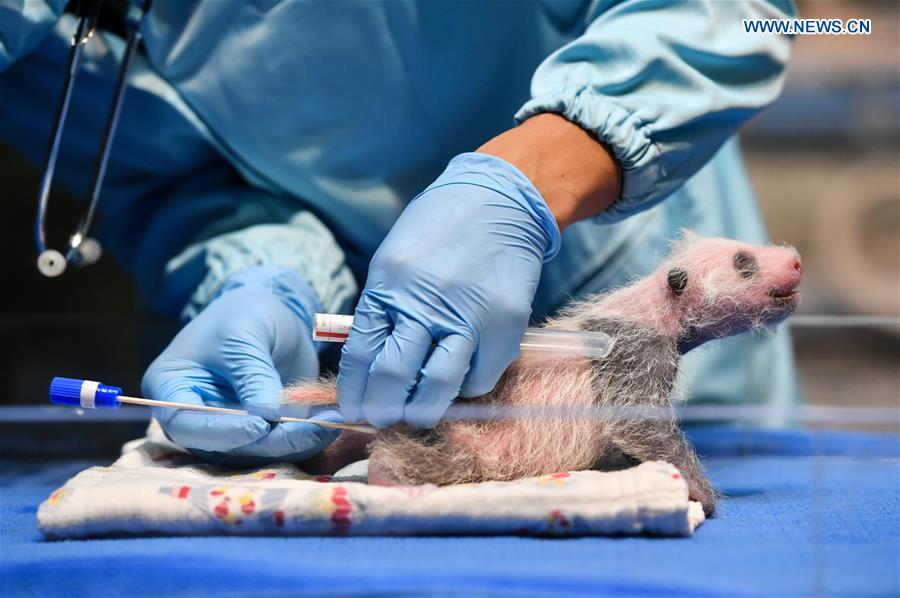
157 488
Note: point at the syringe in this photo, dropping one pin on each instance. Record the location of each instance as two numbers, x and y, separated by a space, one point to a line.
89 394
564 343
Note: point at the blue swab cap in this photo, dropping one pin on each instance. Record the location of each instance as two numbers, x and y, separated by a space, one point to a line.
84 393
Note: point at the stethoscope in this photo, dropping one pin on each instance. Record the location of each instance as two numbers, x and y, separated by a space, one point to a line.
84 250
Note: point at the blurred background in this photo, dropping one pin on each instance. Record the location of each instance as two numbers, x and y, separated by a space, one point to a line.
824 160
825 164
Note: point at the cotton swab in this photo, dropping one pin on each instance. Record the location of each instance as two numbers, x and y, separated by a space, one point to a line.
89 394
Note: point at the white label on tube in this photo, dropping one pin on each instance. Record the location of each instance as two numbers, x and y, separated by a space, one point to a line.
333 328
88 392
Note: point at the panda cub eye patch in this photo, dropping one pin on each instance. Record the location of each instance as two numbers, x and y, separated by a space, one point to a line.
745 264
677 280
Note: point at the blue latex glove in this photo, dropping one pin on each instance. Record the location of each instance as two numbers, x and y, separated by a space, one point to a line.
459 269
254 336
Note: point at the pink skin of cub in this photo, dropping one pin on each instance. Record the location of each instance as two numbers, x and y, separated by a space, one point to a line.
718 299
706 289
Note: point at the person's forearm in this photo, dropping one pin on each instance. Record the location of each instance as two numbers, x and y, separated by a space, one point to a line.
576 174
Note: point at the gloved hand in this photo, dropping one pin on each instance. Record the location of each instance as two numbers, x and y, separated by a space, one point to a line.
459 268
254 336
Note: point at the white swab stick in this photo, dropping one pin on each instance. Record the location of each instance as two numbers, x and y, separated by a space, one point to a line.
363 428
90 394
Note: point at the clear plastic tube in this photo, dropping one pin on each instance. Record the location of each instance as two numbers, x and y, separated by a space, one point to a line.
543 341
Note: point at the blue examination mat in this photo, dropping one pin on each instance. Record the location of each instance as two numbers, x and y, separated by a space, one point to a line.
804 514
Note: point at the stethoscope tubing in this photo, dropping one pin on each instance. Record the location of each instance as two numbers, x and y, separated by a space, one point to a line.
84 31
59 121
112 122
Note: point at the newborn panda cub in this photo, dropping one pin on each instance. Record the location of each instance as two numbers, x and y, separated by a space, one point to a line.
706 289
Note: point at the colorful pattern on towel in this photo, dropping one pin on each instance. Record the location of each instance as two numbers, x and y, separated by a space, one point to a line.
157 488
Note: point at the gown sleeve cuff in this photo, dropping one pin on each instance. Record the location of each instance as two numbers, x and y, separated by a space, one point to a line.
296 259
618 128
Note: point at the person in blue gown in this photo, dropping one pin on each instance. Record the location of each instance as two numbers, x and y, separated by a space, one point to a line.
447 171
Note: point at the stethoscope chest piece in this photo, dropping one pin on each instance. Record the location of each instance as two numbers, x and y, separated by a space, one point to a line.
51 263
86 253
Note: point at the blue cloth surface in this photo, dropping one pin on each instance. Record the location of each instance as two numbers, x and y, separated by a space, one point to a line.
805 514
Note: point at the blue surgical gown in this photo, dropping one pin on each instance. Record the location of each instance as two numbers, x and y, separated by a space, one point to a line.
295 132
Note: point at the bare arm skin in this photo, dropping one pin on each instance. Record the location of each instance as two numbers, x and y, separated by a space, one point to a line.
575 173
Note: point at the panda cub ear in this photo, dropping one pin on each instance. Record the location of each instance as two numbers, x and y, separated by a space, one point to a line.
677 280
